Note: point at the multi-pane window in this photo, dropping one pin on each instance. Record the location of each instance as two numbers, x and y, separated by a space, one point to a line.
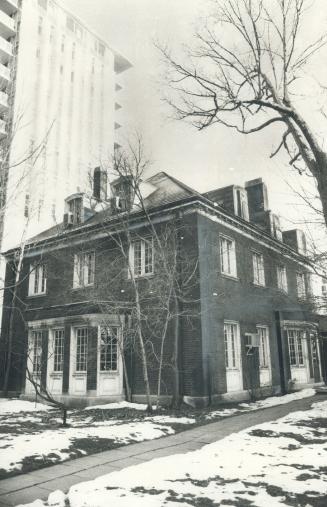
282 278
295 347
84 264
141 257
231 349
58 350
81 349
109 349
300 284
263 346
227 256
258 269
36 351
37 279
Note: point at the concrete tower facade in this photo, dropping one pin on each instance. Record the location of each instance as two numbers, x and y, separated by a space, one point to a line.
58 107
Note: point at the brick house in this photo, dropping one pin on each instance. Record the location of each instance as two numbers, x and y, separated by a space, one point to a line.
247 326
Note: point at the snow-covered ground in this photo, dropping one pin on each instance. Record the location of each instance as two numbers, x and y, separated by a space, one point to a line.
30 435
277 463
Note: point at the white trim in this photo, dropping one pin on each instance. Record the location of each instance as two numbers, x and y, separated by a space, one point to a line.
229 222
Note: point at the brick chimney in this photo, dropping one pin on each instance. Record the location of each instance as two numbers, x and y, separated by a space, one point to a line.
100 184
257 197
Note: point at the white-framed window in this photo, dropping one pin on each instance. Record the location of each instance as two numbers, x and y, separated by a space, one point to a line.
264 355
282 278
58 350
231 333
36 351
37 279
109 348
227 256
295 347
258 269
141 257
84 265
81 349
300 285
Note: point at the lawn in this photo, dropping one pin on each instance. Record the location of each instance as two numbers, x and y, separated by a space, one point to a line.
31 436
272 464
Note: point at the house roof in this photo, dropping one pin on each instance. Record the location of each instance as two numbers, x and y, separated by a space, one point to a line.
158 190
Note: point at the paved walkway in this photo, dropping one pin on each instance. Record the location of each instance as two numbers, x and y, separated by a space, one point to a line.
39 484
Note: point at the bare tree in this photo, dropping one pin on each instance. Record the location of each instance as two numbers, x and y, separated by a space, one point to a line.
244 74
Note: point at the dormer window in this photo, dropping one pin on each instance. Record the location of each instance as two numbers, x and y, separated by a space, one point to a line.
75 208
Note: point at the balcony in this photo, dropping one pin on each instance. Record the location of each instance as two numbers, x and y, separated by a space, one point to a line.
3 131
5 50
3 102
4 76
7 25
9 6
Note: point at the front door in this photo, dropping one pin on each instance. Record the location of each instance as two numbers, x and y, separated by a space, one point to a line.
298 353
55 361
264 356
315 357
78 355
233 357
110 378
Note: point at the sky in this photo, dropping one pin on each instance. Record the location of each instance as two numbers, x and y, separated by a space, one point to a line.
216 156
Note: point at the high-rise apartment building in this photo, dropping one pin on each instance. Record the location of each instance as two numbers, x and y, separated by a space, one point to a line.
58 108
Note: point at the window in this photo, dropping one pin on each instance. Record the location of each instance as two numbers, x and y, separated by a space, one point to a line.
263 346
37 279
231 352
81 349
258 269
300 284
36 352
281 278
227 256
40 25
141 257
75 205
84 265
27 206
58 350
295 347
109 349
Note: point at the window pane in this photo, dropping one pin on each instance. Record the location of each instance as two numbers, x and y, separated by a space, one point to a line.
291 341
148 251
226 346
81 349
58 350
109 349
299 348
263 347
37 351
137 258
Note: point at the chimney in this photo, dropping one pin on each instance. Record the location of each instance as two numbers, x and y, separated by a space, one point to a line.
100 184
296 239
257 196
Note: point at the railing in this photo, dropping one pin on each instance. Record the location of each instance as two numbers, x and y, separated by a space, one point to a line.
2 127
4 98
7 21
4 72
5 46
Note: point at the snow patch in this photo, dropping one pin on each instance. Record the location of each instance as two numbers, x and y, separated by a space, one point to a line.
15 406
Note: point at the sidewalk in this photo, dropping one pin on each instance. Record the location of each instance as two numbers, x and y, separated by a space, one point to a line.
39 484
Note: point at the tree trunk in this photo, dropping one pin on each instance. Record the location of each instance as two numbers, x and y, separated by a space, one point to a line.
322 183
